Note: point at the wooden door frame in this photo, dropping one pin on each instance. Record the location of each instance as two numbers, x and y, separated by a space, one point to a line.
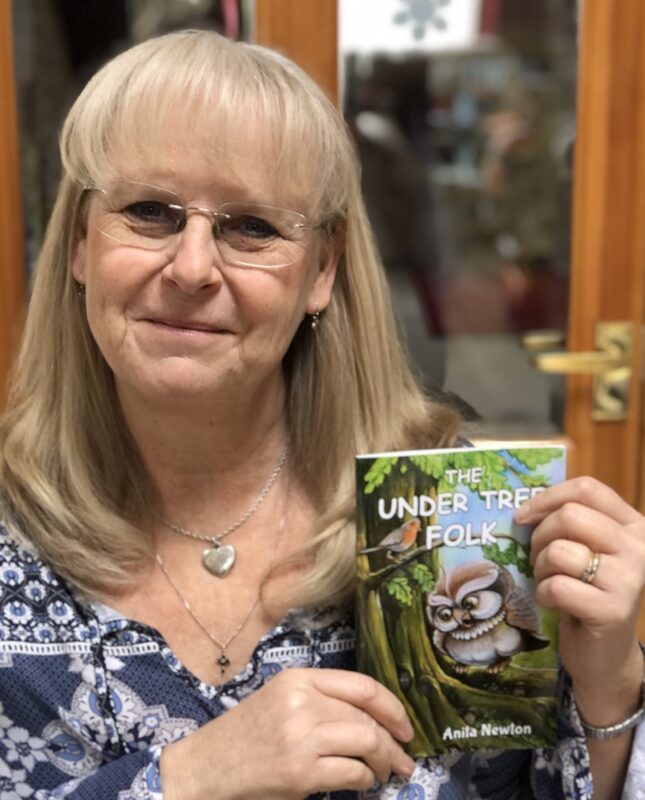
12 251
307 32
608 246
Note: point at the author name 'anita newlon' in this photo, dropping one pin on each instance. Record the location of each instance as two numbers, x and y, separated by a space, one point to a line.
487 729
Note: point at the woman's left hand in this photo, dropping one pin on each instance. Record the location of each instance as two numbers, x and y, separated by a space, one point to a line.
598 645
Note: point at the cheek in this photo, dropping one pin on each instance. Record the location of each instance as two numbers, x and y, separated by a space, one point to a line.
272 308
106 324
110 290
105 294
268 336
115 274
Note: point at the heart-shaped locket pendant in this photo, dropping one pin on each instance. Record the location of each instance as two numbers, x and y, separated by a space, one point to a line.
219 559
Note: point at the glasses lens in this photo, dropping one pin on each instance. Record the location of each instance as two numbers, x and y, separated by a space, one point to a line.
260 236
140 215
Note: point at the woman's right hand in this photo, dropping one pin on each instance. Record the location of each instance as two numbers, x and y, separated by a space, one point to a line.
305 731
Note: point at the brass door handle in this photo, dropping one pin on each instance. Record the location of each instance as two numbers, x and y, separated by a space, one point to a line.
596 362
609 364
534 341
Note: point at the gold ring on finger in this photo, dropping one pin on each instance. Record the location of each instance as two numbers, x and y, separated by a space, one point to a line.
589 573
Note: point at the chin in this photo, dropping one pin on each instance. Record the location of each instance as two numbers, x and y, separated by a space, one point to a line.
167 382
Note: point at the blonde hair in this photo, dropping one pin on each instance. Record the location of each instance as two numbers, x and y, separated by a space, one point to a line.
72 477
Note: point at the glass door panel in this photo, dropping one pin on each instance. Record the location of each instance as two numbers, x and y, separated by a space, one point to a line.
464 119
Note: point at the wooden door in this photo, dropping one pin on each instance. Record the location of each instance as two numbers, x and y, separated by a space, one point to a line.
608 254
12 263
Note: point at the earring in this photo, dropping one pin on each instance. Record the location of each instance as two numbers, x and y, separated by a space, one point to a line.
315 319
80 289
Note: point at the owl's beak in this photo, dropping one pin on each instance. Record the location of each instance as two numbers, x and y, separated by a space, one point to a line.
464 618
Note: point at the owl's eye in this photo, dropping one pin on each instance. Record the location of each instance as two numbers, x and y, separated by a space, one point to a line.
444 614
470 601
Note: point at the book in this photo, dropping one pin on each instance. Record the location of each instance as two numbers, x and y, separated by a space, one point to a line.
446 610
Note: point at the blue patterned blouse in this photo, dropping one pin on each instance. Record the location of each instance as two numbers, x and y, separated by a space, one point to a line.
88 699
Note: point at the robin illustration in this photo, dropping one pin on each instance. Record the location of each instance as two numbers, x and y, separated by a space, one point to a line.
397 541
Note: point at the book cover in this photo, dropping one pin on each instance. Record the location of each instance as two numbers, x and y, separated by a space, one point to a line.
446 611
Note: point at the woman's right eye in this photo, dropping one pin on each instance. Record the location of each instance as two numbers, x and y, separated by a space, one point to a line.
149 211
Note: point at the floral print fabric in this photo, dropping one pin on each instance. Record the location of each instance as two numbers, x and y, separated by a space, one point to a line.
88 700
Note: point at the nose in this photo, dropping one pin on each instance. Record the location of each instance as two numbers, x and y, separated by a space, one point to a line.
195 263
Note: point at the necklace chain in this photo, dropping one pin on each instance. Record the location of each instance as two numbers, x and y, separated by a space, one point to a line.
217 537
223 660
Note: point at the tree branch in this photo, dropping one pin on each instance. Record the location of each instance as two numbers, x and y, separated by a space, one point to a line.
375 579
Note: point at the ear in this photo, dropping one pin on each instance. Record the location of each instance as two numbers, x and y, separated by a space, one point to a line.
321 289
79 257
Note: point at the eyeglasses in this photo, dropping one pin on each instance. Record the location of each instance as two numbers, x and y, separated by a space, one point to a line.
246 234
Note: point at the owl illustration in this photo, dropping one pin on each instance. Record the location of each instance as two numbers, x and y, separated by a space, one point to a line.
481 618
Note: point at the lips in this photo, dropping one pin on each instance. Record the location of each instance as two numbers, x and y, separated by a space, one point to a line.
185 324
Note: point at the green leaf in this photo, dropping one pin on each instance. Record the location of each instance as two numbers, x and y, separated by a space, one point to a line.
423 577
534 480
433 465
376 474
536 457
514 553
399 588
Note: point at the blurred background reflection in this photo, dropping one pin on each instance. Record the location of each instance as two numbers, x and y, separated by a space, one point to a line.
463 113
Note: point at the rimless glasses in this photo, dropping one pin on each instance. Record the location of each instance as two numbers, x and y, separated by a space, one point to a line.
246 234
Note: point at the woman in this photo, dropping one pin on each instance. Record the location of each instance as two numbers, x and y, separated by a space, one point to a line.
209 343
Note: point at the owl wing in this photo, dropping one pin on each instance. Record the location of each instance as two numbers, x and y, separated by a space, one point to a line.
521 612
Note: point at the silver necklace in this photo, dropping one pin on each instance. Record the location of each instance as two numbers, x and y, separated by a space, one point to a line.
223 660
219 558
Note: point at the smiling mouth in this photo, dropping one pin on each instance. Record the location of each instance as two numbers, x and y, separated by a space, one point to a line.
185 325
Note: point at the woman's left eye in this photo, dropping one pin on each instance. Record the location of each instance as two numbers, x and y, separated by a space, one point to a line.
148 210
254 227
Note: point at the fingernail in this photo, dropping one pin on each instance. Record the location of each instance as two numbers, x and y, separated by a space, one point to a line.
405 767
522 513
407 731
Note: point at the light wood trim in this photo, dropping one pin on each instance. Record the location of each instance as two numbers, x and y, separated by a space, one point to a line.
608 253
306 31
12 260
638 257
608 256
